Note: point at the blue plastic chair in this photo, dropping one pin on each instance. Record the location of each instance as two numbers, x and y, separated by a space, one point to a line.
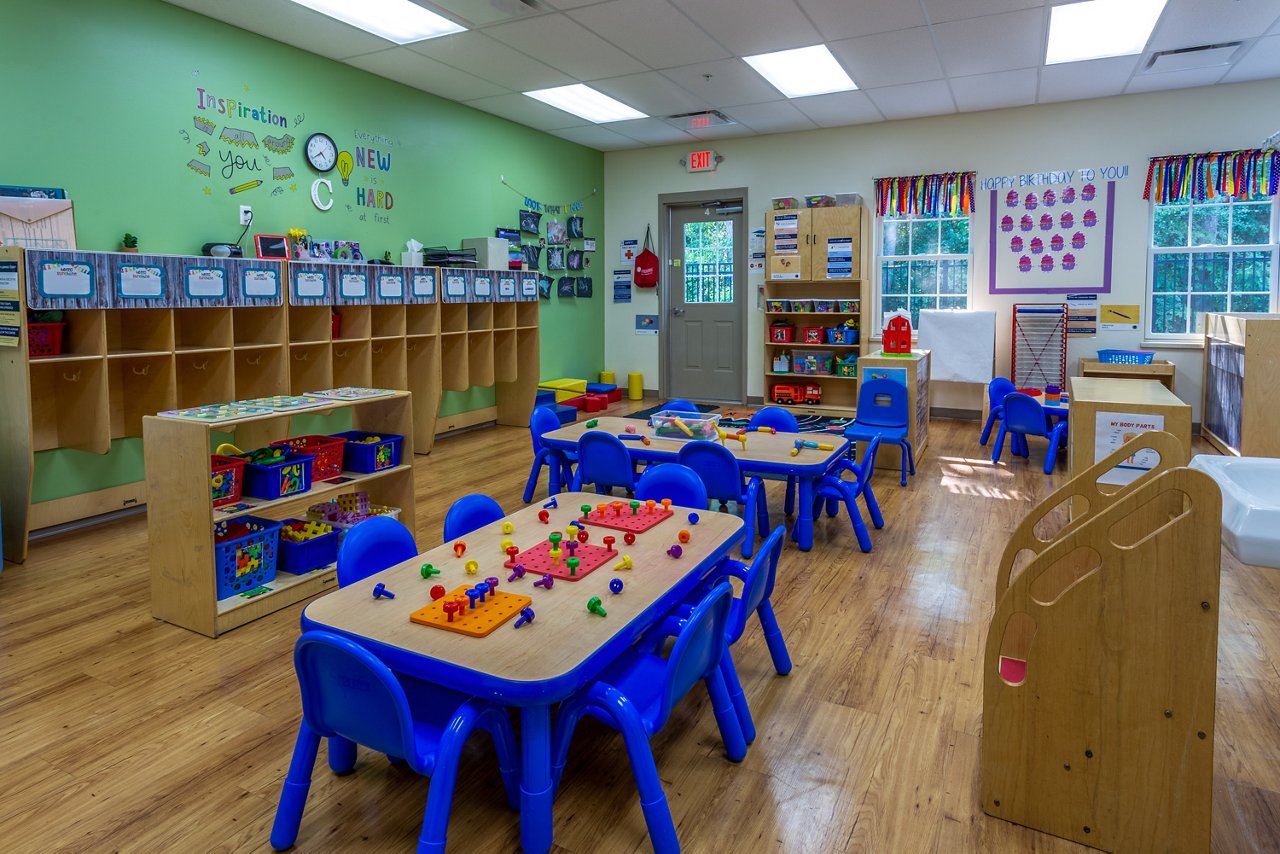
348 693
371 546
997 390
635 696
834 489
1024 416
604 461
468 513
543 420
882 411
718 468
681 405
671 480
784 422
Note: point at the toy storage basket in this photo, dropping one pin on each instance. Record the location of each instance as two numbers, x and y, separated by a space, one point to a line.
824 305
700 426
778 305
1126 357
812 334
269 482
226 479
306 545
326 449
244 553
812 362
782 333
364 456
842 335
44 339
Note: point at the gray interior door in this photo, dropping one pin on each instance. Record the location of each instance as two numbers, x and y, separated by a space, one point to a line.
706 292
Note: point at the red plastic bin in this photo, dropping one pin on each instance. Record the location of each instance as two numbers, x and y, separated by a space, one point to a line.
226 479
326 449
45 339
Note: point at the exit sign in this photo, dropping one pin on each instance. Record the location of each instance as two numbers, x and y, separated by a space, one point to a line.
702 161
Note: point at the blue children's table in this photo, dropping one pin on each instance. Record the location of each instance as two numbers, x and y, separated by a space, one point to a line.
765 454
543 662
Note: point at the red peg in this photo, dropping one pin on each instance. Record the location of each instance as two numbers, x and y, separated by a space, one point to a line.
459 548
629 538
544 516
437 592
583 536
452 607
608 543
512 552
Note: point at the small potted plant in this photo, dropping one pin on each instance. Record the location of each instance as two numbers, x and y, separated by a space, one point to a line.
129 243
385 259
301 246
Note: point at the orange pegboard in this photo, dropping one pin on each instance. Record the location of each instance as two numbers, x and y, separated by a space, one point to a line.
618 515
498 607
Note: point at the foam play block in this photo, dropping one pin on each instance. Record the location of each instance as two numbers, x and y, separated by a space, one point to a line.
588 402
565 388
611 392
545 397
566 414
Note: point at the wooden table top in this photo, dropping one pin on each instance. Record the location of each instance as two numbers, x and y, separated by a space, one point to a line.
1102 390
563 634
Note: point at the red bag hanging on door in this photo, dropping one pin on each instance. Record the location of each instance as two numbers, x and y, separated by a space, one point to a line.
647 264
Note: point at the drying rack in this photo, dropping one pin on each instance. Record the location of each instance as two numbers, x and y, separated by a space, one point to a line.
1039 345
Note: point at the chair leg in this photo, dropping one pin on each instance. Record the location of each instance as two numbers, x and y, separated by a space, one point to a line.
999 448
532 484
444 779
773 638
986 430
739 700
735 745
855 518
497 723
293 796
342 755
833 508
749 522
789 503
911 456
653 800
873 506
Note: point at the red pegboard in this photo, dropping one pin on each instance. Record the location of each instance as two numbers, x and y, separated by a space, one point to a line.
643 520
538 560
498 607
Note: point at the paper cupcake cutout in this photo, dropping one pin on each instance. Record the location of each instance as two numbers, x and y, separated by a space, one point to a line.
1056 243
1068 261
1015 245
1090 218
1046 221
1048 198
1087 192
1077 240
1011 200
1037 246
1024 264
1006 223
1068 195
1031 202
1067 220
1026 223
1046 264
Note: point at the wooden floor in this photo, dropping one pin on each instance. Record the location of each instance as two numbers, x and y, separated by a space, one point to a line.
121 733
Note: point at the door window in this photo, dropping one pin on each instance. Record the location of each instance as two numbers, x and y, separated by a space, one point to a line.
708 262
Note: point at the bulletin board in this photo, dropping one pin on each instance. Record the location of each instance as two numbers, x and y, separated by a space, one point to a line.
1052 239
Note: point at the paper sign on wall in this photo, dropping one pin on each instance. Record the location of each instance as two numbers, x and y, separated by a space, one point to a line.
839 257
1082 314
622 286
10 311
627 251
786 234
1118 318
1113 429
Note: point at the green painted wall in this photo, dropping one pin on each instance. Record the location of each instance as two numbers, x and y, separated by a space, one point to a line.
103 103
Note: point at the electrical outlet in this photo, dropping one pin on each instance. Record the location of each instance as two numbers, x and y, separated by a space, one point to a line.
246 214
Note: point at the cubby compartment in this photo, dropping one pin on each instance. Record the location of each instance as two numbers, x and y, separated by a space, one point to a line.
351 364
422 366
310 323
506 356
479 316
139 331
310 367
527 315
83 336
203 378
422 319
197 329
453 317
136 387
480 358
69 406
352 324
504 315
453 362
388 364
387 321
260 372
258 326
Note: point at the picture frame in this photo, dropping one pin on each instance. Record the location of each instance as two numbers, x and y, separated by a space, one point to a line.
272 246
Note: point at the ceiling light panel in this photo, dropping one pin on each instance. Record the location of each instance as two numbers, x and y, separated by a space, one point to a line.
1100 28
587 103
398 21
803 71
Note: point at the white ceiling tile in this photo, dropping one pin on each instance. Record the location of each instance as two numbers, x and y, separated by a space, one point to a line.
490 59
912 100
566 45
993 43
1189 23
956 10
567 4
839 109
995 91
649 131
841 19
731 82
1175 79
597 137
771 117
722 132
527 111
1261 62
412 69
653 31
292 24
902 56
1075 81
776 25
650 93
469 12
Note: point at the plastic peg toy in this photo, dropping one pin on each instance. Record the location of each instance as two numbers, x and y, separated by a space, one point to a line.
482 590
428 570
572 546
583 535
507 527
600 508
632 437
593 423
512 551
635 508
693 518
573 563
473 594
572 531
544 516
684 428
545 581
526 616
629 538
625 563
380 590
649 505
552 504
586 511
492 581
506 544
801 443
437 592
452 607
459 548
666 504
608 542
675 551
683 536
741 436
472 567
595 606
554 538
555 556
517 571
720 434
615 585
617 507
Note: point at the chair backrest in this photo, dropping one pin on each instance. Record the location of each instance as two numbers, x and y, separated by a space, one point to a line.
867 467
717 466
1024 414
697 649
680 405
759 583
541 420
671 480
604 460
997 390
347 691
776 417
468 513
371 546
881 403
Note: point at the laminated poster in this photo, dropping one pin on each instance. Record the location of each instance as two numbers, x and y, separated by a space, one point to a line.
786 234
353 285
1113 429
10 308
140 281
840 258
206 282
390 285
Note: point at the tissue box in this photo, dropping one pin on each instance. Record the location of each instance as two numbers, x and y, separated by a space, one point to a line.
410 259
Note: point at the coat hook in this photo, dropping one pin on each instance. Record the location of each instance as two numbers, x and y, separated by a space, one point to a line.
257 361
146 369
203 365
301 357
377 351
71 378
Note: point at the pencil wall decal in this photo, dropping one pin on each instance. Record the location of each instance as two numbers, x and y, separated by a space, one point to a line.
248 185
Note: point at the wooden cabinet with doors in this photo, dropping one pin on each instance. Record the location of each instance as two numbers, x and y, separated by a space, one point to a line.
814 244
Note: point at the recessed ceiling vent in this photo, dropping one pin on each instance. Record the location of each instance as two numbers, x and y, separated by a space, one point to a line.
701 120
1203 56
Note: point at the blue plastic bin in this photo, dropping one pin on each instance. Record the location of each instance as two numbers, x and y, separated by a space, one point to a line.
1126 357
289 477
245 552
368 457
303 557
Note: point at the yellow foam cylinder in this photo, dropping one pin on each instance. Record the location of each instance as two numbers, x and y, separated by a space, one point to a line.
635 386
607 377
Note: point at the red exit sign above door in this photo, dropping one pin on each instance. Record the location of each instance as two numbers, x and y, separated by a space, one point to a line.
702 161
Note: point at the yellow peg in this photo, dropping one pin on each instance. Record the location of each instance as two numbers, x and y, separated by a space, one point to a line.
625 563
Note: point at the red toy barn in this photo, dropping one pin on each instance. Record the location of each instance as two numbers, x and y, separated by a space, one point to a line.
897 335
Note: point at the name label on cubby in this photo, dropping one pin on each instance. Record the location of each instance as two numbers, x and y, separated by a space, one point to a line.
140 281
390 286
260 283
483 286
63 279
310 284
455 286
424 284
206 283
507 287
353 284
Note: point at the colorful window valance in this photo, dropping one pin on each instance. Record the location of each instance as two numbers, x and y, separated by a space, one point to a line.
1242 174
947 193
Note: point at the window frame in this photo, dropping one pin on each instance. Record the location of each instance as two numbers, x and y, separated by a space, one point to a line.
878 314
1192 337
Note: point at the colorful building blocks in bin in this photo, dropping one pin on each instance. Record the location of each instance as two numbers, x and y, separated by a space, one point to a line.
380 591
245 552
615 585
812 334
483 611
847 306
801 306
826 306
327 451
845 334
595 606
684 425
226 479
812 362
281 473
369 452
349 509
847 365
306 546
777 305
526 616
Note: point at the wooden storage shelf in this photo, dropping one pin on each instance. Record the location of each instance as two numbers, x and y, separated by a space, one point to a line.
814 314
62 359
204 378
388 363
310 323
504 315
69 406
85 333
527 315
259 325
422 319
422 364
137 387
260 372
310 367
918 368
795 345
479 316
1242 384
515 398
480 358
139 330
810 377
355 324
387 321
196 329
351 365
454 368
180 515
453 317
506 356
1162 371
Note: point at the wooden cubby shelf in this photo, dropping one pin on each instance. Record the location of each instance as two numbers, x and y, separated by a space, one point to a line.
310 323
199 329
310 367
387 321
321 490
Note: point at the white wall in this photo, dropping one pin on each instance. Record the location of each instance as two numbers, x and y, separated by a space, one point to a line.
1122 131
